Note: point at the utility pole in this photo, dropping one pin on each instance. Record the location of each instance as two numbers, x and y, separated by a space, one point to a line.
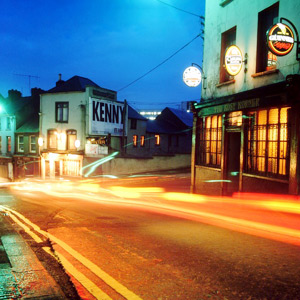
29 79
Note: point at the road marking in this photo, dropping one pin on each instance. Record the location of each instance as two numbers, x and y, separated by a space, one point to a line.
26 228
87 283
114 284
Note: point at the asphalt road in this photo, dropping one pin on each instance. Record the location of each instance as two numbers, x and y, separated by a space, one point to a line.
131 249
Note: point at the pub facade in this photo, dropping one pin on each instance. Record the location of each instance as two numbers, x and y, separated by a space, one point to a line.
246 126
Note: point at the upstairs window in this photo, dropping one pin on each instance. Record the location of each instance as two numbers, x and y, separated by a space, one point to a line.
228 39
8 123
133 123
71 138
52 139
32 144
265 59
61 112
20 143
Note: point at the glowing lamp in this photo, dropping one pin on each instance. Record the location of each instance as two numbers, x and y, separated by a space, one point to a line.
40 141
77 143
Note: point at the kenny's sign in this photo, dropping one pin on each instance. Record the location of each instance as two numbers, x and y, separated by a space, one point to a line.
106 117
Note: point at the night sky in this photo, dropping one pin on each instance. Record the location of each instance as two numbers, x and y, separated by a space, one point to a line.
111 42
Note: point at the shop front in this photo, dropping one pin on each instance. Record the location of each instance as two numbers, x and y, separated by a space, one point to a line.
54 165
247 142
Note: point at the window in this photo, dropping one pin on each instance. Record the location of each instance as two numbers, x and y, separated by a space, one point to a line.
62 112
133 123
8 123
228 38
0 144
52 139
268 142
211 141
32 144
157 139
142 141
8 144
265 60
71 138
235 118
135 140
20 143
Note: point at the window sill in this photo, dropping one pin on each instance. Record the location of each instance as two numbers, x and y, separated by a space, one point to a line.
224 2
225 83
266 178
269 72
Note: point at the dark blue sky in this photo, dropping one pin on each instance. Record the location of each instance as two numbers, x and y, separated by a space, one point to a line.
112 42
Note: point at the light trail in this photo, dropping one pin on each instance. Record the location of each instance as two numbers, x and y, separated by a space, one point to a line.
179 205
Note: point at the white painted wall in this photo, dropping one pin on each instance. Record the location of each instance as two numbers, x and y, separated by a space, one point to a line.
47 119
244 15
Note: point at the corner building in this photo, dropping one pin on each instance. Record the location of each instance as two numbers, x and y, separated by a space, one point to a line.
246 126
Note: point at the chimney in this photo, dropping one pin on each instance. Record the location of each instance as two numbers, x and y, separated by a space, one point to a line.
59 82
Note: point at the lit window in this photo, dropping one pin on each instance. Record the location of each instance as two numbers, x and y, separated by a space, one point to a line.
142 141
20 143
235 118
265 59
267 142
157 139
8 144
52 139
62 112
71 138
0 144
135 140
211 141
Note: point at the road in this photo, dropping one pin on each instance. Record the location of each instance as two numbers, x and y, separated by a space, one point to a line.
118 240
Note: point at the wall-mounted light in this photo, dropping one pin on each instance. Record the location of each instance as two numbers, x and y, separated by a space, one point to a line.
40 141
77 144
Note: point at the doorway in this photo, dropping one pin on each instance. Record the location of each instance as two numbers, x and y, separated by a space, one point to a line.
233 161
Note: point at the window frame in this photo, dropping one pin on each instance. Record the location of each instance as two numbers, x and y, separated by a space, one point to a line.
19 144
32 143
263 54
71 132
59 112
52 132
261 136
206 156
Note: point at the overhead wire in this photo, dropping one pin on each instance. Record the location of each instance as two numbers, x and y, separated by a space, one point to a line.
164 61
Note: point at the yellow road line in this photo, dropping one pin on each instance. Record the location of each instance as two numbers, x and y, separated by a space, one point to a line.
114 284
87 283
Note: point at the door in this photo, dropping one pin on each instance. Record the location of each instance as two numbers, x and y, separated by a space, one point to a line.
233 161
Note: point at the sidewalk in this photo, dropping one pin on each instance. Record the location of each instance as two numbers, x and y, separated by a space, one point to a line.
22 275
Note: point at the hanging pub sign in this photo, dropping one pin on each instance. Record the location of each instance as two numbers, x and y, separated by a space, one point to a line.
280 39
192 76
233 60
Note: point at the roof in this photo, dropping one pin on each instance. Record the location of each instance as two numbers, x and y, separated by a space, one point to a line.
182 115
74 84
31 126
133 114
156 126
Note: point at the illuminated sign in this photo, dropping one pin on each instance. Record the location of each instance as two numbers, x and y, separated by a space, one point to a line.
280 39
233 60
192 76
106 117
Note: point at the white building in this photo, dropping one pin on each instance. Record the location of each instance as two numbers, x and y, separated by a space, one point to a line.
246 124
80 123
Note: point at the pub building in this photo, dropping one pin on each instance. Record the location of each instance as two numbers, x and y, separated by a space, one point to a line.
246 126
